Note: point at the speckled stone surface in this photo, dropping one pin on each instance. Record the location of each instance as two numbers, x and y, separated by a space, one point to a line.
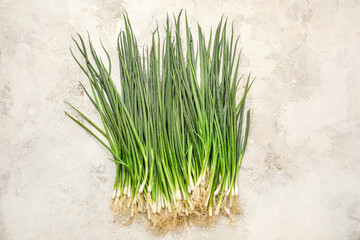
301 174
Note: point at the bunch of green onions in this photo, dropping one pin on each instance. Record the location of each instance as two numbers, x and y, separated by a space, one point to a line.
175 131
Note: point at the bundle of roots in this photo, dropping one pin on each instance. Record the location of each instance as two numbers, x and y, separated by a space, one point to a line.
163 217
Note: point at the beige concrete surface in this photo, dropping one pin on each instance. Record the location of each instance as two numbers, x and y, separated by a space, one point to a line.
301 175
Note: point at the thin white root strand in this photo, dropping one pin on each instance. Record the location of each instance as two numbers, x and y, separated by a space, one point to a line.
217 209
148 212
132 210
140 206
116 202
227 210
190 205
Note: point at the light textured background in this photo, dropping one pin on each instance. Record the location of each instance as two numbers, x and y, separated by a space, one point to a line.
301 174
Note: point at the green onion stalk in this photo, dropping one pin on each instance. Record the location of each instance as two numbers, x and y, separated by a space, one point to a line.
176 131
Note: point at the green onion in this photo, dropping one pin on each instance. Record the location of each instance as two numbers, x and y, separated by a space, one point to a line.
176 133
